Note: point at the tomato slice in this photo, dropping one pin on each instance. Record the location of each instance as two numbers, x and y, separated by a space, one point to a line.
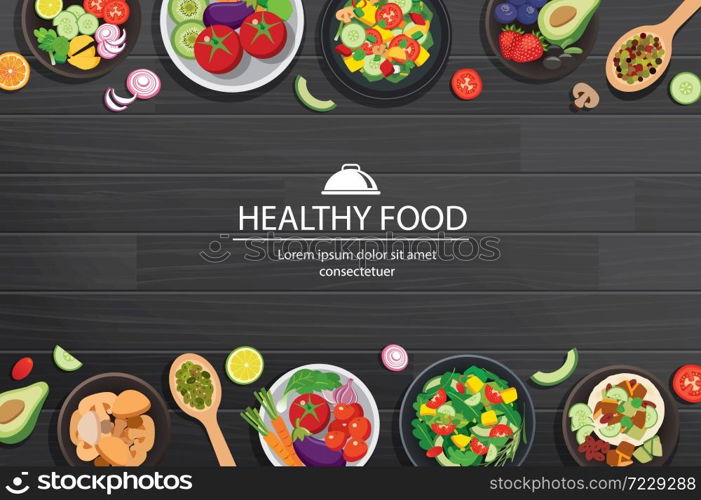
500 430
95 7
373 38
438 399
492 394
478 448
443 429
389 16
116 12
687 383
466 84
410 46
218 49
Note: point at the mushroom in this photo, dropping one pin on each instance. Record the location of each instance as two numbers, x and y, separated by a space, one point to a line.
584 97
130 403
101 402
86 452
114 451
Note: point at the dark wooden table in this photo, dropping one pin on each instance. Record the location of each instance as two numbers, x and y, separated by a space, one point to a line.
103 216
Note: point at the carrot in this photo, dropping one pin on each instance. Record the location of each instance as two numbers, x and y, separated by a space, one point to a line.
266 400
253 418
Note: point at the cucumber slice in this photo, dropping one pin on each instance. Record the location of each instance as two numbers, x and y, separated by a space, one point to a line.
491 454
353 35
311 102
442 459
656 446
474 400
88 24
549 379
583 432
405 5
76 10
617 394
580 415
480 431
446 409
685 88
610 431
431 384
372 65
66 25
650 417
65 361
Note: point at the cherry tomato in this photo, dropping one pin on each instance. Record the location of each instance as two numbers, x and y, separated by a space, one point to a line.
359 428
116 12
310 411
22 368
389 16
263 35
438 399
335 440
410 46
478 448
358 410
345 412
466 84
492 394
434 452
218 49
443 429
339 426
687 383
500 430
373 38
355 450
95 7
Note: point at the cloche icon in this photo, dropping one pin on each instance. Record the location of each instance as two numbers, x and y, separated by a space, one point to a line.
350 180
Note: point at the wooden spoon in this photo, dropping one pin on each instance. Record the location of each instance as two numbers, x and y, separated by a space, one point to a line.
208 416
665 31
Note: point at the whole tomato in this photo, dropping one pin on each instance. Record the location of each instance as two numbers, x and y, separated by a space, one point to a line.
218 49
263 35
310 411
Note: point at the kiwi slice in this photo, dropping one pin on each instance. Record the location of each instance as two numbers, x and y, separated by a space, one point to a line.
187 10
184 38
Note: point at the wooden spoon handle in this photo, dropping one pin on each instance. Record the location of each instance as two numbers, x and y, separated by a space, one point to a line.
221 448
687 9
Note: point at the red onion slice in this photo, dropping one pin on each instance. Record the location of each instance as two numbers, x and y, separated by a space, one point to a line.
395 358
108 51
122 101
144 84
110 104
109 33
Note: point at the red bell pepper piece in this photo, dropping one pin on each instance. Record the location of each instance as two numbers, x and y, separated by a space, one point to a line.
387 68
343 50
417 18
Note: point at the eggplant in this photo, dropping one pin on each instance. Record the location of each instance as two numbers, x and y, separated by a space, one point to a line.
314 453
231 14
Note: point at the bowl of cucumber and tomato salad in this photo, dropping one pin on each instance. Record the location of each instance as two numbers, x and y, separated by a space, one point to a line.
467 411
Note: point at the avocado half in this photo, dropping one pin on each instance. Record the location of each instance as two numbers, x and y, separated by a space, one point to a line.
19 411
563 22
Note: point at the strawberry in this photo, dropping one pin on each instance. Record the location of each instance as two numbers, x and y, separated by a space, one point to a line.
507 40
529 47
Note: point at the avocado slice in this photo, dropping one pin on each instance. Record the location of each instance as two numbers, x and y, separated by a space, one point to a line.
19 410
311 102
563 22
549 379
642 455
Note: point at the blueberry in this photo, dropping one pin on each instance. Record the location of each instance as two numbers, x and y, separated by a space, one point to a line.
517 2
505 13
537 3
527 14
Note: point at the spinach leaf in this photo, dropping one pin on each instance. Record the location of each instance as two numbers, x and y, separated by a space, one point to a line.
308 381
423 434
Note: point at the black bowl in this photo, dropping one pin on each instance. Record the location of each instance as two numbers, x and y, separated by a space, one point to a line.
668 433
419 78
460 363
114 382
30 22
535 70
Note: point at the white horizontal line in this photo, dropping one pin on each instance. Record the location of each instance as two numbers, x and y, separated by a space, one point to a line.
330 238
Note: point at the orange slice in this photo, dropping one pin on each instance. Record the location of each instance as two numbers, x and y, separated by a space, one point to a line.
14 71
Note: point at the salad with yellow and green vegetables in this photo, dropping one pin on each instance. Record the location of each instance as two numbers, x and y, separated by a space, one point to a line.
384 39
469 419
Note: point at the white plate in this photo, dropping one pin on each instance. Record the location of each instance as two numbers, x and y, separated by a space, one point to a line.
251 73
365 398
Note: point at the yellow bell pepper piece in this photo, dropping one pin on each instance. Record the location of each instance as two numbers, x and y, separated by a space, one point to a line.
352 64
426 411
422 57
460 440
474 384
386 35
368 16
509 395
489 418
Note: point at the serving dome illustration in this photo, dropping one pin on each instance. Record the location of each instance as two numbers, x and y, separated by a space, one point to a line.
350 180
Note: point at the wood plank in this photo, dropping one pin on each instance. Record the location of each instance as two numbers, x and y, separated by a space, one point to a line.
504 95
356 321
188 440
459 144
616 18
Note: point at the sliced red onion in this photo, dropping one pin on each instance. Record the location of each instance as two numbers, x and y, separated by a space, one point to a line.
395 358
110 103
144 84
122 101
108 51
110 33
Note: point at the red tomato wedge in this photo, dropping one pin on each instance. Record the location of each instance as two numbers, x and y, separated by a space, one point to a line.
389 16
218 49
500 430
492 394
410 46
438 399
434 452
466 84
95 7
687 383
263 35
443 429
116 12
478 447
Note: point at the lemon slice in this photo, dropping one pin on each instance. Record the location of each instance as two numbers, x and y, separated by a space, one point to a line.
244 365
48 9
